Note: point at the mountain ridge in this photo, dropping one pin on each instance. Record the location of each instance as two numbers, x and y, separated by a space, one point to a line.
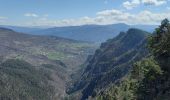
111 62
91 32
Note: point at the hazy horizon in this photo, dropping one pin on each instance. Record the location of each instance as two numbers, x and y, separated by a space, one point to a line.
82 12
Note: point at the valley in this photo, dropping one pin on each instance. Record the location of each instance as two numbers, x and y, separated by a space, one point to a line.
47 58
84 49
45 67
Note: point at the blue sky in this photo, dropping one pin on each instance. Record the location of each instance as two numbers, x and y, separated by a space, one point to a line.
80 12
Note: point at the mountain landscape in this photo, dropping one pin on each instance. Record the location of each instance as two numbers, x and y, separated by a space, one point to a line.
128 67
42 67
90 33
149 77
112 61
41 59
84 49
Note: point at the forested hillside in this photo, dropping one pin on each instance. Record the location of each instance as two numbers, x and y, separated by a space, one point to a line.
111 62
150 77
20 80
132 66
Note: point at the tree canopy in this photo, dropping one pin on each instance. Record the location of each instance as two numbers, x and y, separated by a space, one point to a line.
159 41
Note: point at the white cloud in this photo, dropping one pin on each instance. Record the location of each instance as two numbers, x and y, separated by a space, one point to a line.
106 17
131 4
154 2
31 15
134 3
109 12
143 17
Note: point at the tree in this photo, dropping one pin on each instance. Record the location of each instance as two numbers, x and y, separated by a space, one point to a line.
159 42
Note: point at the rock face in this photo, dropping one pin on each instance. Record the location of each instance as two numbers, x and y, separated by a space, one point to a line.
111 62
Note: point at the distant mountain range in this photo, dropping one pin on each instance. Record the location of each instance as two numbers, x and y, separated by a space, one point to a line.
92 33
23 29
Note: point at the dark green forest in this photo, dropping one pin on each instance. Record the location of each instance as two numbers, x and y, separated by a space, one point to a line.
149 78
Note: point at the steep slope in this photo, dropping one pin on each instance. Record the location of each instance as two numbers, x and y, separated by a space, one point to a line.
47 58
150 77
111 62
20 80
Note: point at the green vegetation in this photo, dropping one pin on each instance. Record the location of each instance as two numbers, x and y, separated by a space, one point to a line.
128 88
21 81
111 62
56 56
159 42
150 77
41 65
